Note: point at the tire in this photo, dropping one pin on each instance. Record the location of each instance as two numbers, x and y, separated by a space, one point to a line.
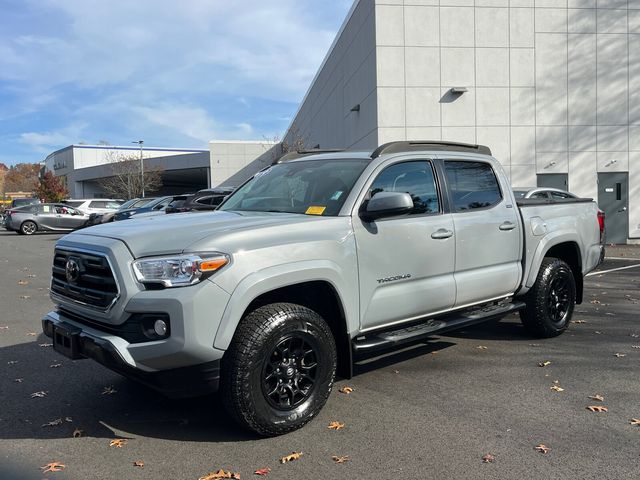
28 228
551 300
258 395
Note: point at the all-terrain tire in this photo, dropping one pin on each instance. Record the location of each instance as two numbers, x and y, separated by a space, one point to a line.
268 382
28 228
551 300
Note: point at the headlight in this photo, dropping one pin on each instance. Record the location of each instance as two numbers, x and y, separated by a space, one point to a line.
178 270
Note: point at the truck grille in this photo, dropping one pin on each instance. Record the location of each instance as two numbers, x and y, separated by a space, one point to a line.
84 278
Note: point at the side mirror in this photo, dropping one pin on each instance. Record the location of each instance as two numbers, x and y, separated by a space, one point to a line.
386 204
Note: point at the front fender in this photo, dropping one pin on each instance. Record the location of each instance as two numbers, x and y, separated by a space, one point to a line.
272 278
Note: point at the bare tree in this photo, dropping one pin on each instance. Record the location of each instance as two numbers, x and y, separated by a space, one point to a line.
126 180
294 140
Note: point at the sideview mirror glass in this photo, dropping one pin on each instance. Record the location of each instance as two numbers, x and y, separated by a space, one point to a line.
387 204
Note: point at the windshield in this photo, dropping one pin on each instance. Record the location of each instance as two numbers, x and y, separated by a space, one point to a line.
313 187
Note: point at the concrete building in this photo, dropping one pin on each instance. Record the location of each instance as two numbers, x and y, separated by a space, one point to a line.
83 167
551 86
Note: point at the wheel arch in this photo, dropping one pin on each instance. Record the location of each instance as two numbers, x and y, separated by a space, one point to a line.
315 288
567 251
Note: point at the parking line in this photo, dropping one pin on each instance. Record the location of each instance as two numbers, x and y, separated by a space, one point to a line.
613 270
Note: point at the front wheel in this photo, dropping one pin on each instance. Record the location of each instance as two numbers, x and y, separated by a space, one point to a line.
28 228
279 369
551 300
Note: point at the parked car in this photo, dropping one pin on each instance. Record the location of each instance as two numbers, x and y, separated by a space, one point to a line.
21 202
56 217
95 205
136 203
208 199
542 193
313 263
152 208
179 204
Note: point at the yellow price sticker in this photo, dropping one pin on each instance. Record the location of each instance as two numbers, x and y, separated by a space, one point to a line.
314 210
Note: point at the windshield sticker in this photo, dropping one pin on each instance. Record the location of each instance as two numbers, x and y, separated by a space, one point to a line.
315 210
337 195
45 208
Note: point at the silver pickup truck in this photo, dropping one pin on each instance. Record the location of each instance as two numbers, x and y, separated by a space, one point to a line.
317 261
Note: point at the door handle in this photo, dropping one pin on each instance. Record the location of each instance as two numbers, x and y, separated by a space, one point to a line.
442 233
623 209
507 226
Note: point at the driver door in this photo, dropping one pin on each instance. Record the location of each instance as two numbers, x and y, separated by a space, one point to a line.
406 263
69 218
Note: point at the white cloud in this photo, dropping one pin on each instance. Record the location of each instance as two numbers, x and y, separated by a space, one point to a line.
43 142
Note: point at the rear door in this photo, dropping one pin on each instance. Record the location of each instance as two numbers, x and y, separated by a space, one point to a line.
613 199
406 262
488 236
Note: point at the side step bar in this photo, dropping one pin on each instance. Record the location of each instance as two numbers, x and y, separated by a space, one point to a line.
388 339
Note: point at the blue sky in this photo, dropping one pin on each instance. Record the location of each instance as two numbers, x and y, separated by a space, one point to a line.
173 73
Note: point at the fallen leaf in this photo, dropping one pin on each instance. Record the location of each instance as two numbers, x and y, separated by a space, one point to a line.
4 327
597 408
23 282
346 390
488 458
138 463
597 397
68 419
38 394
55 365
557 388
544 364
18 380
53 423
118 442
340 458
634 335
220 474
396 371
290 458
335 426
109 390
12 362
31 334
635 346
595 302
31 275
635 421
53 467
542 448
481 347
77 433
535 344
578 321
45 344
262 471
619 355
25 297
598 332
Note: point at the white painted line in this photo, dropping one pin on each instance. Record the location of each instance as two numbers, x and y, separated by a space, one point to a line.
621 258
612 270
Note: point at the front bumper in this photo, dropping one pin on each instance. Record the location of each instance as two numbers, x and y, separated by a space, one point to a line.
84 342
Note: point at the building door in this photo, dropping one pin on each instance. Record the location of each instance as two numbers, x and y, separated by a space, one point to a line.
613 198
554 180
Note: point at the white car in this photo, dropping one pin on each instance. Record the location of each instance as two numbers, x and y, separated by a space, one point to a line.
95 205
542 192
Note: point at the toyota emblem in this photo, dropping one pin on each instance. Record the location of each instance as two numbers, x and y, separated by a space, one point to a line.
72 270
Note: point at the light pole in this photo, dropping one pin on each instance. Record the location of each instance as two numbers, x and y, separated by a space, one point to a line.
140 142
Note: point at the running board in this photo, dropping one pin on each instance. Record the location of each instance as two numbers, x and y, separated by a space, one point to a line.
388 339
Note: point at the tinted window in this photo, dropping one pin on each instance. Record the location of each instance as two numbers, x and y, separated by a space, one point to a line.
97 204
560 195
414 178
472 184
539 195
73 203
204 200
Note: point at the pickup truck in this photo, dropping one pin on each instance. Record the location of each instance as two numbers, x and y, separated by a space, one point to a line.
317 261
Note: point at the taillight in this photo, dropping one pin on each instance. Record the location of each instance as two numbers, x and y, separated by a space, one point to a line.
601 224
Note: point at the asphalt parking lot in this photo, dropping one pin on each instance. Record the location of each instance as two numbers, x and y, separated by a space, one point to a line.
431 411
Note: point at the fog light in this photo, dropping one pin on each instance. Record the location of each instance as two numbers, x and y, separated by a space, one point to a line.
160 327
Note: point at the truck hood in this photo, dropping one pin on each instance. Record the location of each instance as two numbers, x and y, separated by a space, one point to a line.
169 234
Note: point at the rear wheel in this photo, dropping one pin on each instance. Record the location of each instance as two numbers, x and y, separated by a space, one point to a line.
28 228
279 369
551 300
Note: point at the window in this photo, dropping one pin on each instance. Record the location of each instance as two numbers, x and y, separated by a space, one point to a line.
414 178
560 195
97 204
74 203
204 200
539 195
473 185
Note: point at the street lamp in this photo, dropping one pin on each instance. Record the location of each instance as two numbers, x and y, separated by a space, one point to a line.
140 142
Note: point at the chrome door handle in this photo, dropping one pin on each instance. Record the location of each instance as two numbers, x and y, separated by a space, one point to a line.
623 209
507 226
442 233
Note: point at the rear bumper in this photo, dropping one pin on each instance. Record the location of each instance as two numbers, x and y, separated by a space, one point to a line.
189 381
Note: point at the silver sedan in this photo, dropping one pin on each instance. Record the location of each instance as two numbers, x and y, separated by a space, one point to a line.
55 217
